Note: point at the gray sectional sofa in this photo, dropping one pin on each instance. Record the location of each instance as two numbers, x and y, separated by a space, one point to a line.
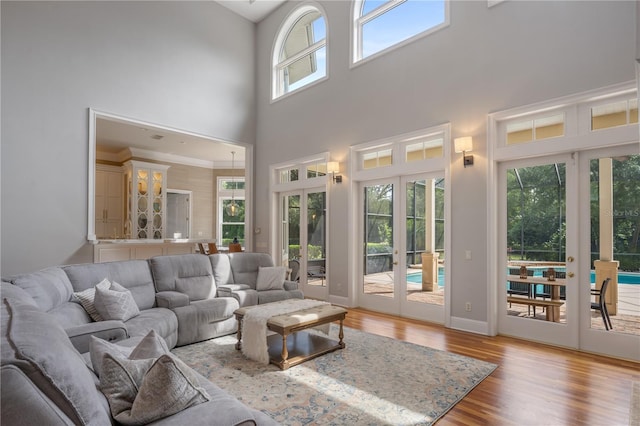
183 299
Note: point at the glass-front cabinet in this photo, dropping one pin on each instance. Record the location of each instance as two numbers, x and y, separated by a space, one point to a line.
146 200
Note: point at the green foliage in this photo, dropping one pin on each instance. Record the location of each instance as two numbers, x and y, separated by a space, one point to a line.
536 222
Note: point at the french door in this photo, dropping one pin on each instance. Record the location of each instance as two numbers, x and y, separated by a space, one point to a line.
303 224
401 230
578 215
610 248
538 232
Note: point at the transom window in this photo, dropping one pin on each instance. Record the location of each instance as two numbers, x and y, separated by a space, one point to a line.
620 113
300 51
422 149
537 129
377 158
381 24
311 169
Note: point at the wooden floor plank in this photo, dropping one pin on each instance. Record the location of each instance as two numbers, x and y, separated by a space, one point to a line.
534 384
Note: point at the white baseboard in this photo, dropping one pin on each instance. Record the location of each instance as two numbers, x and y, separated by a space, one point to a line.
472 326
340 301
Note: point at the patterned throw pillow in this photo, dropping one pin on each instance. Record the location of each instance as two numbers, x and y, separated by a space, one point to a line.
115 303
143 390
151 346
86 298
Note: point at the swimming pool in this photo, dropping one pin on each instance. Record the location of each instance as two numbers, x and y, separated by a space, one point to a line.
632 278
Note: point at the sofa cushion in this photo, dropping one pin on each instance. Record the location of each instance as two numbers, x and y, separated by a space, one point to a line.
245 266
190 274
115 303
144 390
134 275
48 287
87 299
14 292
270 278
162 320
206 319
221 269
42 350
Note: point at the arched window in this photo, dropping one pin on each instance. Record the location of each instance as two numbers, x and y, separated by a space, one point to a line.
300 51
381 24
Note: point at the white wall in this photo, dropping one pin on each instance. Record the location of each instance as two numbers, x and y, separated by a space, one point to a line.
186 65
488 59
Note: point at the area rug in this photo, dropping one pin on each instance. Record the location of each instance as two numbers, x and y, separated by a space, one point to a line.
373 381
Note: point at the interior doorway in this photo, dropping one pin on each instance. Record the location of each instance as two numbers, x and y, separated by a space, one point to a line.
178 213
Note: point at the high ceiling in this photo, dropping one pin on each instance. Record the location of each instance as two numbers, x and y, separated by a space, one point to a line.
253 10
117 140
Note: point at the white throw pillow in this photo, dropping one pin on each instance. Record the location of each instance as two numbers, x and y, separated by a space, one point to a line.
115 303
87 297
271 278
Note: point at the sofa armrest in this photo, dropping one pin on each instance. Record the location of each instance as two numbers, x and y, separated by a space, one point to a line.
290 285
245 295
110 330
171 299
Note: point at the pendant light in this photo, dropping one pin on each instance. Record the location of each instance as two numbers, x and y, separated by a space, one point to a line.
232 208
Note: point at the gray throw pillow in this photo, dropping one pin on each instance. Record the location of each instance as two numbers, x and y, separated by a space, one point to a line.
141 391
270 278
86 298
151 346
115 303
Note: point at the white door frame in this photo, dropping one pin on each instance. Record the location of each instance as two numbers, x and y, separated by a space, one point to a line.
399 305
620 345
553 333
312 291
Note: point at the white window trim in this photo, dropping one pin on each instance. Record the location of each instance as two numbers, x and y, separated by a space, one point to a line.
358 21
277 91
225 194
577 134
398 143
303 181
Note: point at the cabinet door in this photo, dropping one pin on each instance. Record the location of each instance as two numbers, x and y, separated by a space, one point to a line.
108 204
114 207
100 204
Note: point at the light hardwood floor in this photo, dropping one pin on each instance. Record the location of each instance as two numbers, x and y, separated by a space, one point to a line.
534 384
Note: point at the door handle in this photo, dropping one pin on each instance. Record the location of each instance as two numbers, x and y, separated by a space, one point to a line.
570 274
570 259
395 263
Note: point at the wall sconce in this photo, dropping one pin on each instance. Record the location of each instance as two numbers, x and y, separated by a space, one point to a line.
333 167
464 145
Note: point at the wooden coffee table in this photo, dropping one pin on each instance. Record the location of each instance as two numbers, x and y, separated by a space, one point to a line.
291 345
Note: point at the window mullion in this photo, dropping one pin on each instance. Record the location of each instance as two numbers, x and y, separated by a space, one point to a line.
314 47
380 10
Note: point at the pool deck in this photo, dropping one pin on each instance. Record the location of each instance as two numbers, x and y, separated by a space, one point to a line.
627 319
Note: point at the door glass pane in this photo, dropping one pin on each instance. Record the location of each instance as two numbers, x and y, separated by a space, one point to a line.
291 226
424 224
316 240
536 219
378 240
615 243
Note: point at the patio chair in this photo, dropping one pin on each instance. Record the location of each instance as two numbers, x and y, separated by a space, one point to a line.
316 272
600 303
294 266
